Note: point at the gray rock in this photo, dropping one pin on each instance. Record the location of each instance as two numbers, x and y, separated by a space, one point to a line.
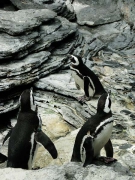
9 105
87 45
61 83
20 21
10 45
54 32
96 13
116 35
61 7
128 11
17 75
129 159
67 171
66 46
54 63
71 111
22 72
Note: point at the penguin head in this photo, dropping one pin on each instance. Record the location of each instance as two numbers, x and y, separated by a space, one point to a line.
27 100
75 60
104 103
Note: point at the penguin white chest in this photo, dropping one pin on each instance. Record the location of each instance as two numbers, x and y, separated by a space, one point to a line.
32 156
102 138
78 79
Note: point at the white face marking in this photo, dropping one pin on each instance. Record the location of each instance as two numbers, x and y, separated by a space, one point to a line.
76 61
30 155
32 105
102 138
106 108
82 149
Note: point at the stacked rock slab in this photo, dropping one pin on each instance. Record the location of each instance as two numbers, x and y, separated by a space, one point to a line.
25 50
61 7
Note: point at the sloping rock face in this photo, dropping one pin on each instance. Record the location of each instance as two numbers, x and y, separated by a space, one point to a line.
34 44
18 22
96 12
25 47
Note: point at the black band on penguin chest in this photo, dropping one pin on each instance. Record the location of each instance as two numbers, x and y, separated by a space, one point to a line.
95 134
78 73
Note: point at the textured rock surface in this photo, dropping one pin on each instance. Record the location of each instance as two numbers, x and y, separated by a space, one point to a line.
18 22
33 52
94 13
67 171
22 72
61 7
10 45
68 108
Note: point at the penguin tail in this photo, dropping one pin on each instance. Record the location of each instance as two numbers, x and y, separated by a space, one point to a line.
3 158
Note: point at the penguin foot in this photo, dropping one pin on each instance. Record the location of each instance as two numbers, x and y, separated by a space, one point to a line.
107 160
37 168
83 99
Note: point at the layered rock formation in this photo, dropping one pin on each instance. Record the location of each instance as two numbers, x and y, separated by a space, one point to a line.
34 44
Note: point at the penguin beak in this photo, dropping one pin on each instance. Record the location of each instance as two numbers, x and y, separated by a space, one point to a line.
71 58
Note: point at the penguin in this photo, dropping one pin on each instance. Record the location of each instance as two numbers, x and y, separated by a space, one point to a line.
95 134
85 79
27 134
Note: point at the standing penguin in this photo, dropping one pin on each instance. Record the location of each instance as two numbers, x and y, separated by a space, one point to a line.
26 135
85 79
95 134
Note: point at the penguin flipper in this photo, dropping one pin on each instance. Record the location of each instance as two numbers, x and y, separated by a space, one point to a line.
7 136
86 85
43 139
3 158
86 97
88 145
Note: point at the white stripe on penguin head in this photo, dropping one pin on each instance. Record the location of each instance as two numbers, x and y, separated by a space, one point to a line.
32 105
106 108
76 59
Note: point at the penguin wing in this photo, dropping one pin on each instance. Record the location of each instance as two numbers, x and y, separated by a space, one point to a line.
43 139
86 85
3 158
7 136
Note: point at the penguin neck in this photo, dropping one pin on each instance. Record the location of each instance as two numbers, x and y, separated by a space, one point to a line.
100 112
25 108
76 67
